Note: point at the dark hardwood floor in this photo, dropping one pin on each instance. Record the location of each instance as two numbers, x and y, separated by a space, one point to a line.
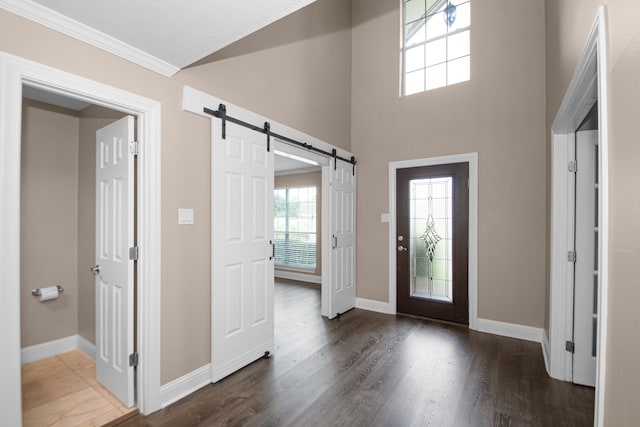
371 369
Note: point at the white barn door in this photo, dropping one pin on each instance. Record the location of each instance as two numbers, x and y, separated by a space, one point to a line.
114 270
242 252
343 238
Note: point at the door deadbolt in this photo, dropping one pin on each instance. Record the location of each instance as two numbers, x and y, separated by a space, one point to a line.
400 238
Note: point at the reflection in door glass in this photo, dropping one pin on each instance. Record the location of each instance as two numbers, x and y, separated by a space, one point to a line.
431 238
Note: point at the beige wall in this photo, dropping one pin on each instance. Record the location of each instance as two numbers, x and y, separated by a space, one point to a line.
48 222
568 24
499 113
58 214
313 179
296 72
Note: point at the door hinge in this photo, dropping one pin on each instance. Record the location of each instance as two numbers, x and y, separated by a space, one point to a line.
570 346
134 253
572 256
133 359
573 166
134 148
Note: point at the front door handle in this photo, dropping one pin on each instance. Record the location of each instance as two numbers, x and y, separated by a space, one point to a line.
402 248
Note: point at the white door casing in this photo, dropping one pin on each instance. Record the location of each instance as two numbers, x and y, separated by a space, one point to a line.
586 274
242 235
114 278
343 245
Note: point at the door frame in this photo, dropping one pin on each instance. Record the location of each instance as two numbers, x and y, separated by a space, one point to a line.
588 85
472 160
14 72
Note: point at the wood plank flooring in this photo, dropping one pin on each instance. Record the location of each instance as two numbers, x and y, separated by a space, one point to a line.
371 369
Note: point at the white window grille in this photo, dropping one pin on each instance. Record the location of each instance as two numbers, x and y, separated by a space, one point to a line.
436 48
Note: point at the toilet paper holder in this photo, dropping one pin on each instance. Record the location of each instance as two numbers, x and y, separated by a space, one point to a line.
36 292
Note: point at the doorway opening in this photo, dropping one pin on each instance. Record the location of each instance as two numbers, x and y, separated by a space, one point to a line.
588 86
58 242
298 214
16 72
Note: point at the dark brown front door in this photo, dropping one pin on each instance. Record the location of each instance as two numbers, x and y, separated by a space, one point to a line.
432 211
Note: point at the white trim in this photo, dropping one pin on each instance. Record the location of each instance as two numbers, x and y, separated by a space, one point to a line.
545 349
86 346
512 330
472 159
36 352
603 213
14 72
589 82
181 387
311 169
301 277
56 21
373 305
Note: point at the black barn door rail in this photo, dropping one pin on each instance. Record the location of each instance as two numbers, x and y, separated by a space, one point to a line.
221 113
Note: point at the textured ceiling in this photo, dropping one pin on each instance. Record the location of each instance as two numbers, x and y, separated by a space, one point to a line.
179 32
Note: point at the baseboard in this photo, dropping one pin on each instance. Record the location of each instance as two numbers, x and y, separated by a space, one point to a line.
33 353
512 330
372 305
87 347
181 387
301 277
545 351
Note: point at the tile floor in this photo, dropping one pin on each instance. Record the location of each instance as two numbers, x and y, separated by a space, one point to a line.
63 391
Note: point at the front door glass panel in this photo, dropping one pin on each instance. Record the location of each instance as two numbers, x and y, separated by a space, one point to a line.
431 231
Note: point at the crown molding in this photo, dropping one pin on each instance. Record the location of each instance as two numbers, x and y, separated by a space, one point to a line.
56 21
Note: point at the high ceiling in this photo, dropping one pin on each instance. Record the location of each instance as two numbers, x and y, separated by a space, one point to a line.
175 32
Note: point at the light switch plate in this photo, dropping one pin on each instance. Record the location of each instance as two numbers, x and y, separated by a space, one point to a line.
185 216
384 217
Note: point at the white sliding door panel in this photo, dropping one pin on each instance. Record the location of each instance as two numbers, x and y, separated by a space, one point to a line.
342 199
242 233
114 237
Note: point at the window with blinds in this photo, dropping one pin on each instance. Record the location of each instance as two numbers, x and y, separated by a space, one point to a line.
295 227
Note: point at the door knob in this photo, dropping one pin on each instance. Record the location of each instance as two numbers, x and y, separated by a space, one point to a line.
95 269
402 248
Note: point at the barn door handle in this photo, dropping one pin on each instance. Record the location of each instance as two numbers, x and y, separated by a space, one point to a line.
273 250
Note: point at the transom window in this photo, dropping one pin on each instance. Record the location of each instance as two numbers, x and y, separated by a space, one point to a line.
436 47
295 226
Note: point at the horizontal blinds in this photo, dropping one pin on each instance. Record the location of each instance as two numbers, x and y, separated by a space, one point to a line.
295 227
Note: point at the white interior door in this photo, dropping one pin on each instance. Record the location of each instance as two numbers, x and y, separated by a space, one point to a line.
242 251
114 237
586 266
343 244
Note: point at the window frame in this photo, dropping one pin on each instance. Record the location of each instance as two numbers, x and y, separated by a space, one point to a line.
438 7
288 232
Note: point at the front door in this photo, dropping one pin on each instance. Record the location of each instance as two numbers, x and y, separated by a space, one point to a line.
114 271
242 248
432 218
